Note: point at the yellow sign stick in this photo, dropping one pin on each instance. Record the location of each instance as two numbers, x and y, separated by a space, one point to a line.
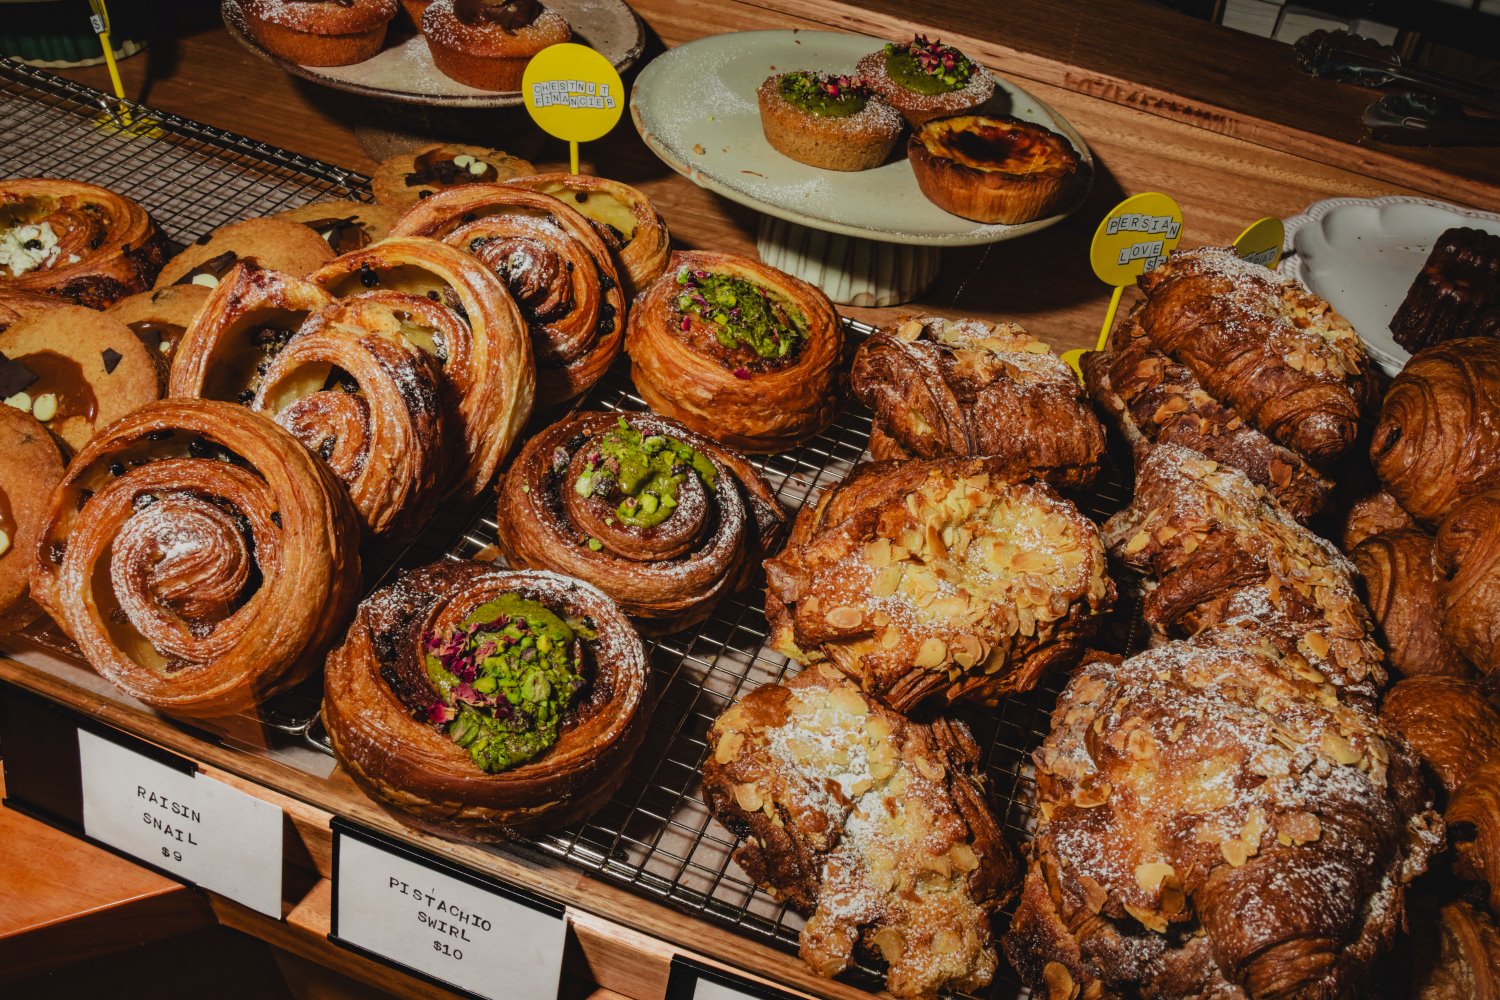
1261 242
573 93
99 20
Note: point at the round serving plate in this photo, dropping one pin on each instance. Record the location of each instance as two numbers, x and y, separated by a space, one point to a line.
1362 254
404 71
695 106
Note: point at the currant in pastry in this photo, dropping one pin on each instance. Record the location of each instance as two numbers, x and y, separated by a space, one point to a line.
626 220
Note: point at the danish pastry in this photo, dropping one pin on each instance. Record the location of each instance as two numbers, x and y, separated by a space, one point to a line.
624 217
30 467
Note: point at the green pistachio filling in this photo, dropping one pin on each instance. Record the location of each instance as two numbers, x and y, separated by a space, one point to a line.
743 313
823 95
926 67
644 471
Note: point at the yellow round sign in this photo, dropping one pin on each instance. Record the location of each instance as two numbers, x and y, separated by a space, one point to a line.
1138 234
1261 243
572 92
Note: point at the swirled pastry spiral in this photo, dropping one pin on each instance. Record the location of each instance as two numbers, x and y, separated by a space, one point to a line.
200 557
663 520
30 467
1401 589
1466 555
624 217
949 579
486 703
1448 722
76 242
1473 818
1370 515
557 268
1461 960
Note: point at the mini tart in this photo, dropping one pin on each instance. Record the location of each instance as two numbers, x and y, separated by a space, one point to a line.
376 695
734 395
994 170
275 244
346 225
402 181
855 140
487 43
918 107
159 318
31 465
625 219
320 32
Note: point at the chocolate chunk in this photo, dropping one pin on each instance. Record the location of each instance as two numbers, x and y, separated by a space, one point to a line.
111 359
14 377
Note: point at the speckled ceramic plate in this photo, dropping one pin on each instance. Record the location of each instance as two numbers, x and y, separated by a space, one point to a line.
1362 254
404 72
695 107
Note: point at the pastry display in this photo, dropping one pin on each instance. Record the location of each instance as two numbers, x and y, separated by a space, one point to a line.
485 703
1257 342
346 225
1219 550
180 550
30 467
833 122
1215 822
159 318
402 181
76 242
274 244
955 579
1370 515
75 370
1456 294
1402 591
487 43
943 387
664 521
995 169
874 825
737 351
557 268
1466 556
1448 722
1437 439
320 32
926 79
624 217
1150 398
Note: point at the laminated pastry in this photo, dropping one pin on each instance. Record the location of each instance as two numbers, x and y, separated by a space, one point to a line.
955 579
942 387
995 169
1220 551
1214 822
874 825
75 370
1466 555
181 550
1402 592
926 79
737 351
1461 960
403 180
1473 818
1262 345
626 220
1149 398
320 32
469 324
1437 439
833 122
76 242
372 405
487 43
1448 722
486 703
1370 515
274 244
159 318
556 266
30 467
1455 295
664 521
346 225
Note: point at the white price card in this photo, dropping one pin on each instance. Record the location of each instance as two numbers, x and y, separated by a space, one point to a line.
185 823
690 980
442 922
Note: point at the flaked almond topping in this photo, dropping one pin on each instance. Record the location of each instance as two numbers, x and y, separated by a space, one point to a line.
728 747
1059 980
1235 851
1317 644
1149 919
748 797
1150 875
933 653
889 942
1338 748
844 618
1137 541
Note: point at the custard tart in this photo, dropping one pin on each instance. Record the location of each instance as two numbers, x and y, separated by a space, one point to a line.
994 169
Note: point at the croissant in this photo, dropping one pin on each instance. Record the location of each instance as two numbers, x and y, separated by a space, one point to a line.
1473 819
1256 341
737 351
1219 550
1370 515
558 269
1447 721
624 217
1213 822
875 825
76 242
664 521
1401 589
942 387
1150 398
1467 556
30 467
485 703
1463 962
199 556
956 579
1437 439
479 338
